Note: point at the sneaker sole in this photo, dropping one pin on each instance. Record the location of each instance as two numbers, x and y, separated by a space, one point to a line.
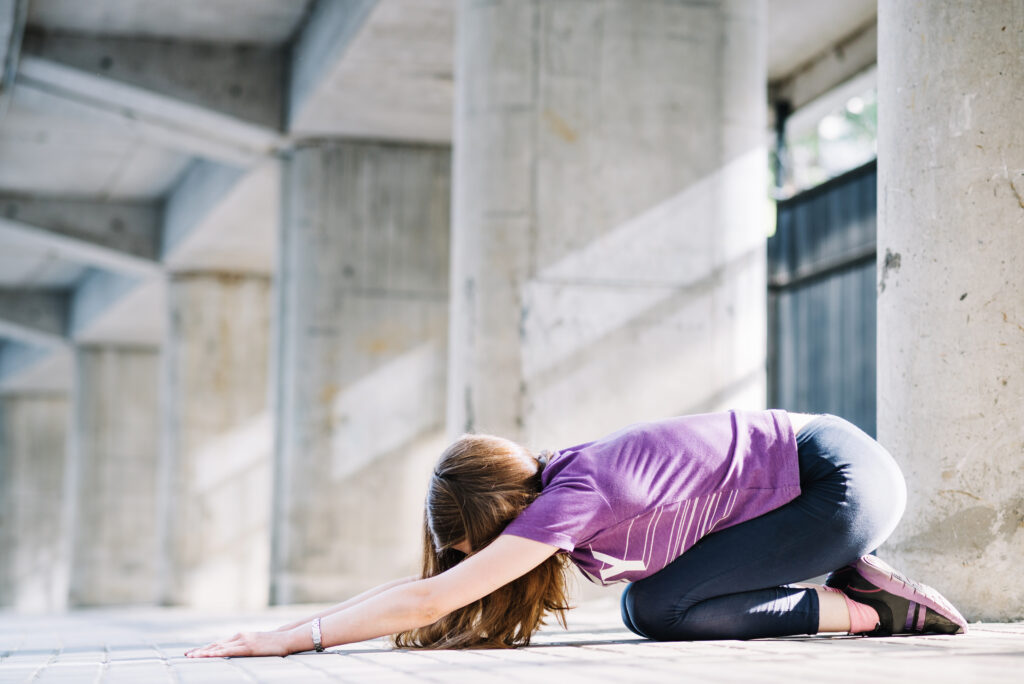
884 576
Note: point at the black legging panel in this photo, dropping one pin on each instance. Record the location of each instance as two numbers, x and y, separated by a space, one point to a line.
731 584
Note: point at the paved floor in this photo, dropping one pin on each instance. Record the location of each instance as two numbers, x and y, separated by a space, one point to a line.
145 645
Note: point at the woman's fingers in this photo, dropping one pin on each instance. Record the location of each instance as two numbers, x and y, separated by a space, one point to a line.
248 644
238 645
238 636
208 649
212 652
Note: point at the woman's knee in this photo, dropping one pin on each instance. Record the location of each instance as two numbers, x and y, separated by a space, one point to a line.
879 491
626 608
866 481
885 506
647 613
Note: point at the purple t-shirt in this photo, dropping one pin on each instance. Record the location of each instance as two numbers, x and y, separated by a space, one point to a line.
627 505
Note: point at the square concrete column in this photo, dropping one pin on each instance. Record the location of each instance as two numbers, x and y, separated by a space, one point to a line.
112 476
361 310
950 304
608 252
33 534
217 438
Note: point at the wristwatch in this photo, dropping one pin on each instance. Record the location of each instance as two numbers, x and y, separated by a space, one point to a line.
317 643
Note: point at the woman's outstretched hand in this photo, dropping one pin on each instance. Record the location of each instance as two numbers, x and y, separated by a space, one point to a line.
246 644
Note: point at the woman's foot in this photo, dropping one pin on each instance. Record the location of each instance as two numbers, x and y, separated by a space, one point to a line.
903 606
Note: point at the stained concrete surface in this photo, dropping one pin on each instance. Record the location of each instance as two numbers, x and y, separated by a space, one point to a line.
146 645
607 229
216 455
362 306
33 431
950 314
112 478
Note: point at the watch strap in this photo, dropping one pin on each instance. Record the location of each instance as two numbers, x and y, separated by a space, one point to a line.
317 639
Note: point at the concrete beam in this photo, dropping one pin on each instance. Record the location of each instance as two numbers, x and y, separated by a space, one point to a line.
328 31
121 299
214 101
222 218
36 317
15 355
195 197
392 81
28 368
839 63
110 308
43 327
119 236
13 15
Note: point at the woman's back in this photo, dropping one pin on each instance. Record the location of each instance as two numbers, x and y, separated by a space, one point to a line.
626 505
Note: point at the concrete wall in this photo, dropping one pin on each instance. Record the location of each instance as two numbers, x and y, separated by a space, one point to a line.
113 476
950 310
360 362
217 437
608 242
33 553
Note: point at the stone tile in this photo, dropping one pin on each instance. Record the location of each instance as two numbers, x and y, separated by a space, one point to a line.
146 645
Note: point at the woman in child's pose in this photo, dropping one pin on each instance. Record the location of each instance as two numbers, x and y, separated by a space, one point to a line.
709 518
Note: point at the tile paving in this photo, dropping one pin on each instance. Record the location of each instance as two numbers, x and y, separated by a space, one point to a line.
146 645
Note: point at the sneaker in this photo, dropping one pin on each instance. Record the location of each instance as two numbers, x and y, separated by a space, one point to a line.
904 606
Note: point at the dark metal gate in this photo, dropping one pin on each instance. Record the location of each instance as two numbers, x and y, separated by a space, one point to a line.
821 300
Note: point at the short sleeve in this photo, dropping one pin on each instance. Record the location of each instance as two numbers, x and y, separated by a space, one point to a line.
563 515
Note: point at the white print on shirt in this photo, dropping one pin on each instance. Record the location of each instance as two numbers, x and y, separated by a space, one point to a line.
617 565
691 520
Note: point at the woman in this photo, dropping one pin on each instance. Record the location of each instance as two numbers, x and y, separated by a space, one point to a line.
708 517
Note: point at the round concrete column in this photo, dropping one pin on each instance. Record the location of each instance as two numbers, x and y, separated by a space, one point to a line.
950 308
608 243
33 534
112 476
362 303
216 460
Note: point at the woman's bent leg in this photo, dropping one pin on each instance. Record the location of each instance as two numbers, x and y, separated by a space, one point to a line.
730 584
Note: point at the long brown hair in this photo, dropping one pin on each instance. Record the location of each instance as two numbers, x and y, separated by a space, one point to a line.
480 484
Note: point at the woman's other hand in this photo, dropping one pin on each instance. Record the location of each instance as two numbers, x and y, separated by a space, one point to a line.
247 644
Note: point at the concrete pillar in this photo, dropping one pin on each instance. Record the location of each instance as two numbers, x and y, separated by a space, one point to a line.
609 190
33 549
361 307
950 310
113 474
215 484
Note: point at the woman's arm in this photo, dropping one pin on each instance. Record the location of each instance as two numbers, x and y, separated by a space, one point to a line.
400 608
347 604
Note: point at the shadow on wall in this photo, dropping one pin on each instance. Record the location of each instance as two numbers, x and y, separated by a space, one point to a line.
227 560
659 316
386 409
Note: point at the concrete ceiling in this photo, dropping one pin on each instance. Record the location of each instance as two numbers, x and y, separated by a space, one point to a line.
395 81
266 22
107 109
28 267
49 150
800 30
